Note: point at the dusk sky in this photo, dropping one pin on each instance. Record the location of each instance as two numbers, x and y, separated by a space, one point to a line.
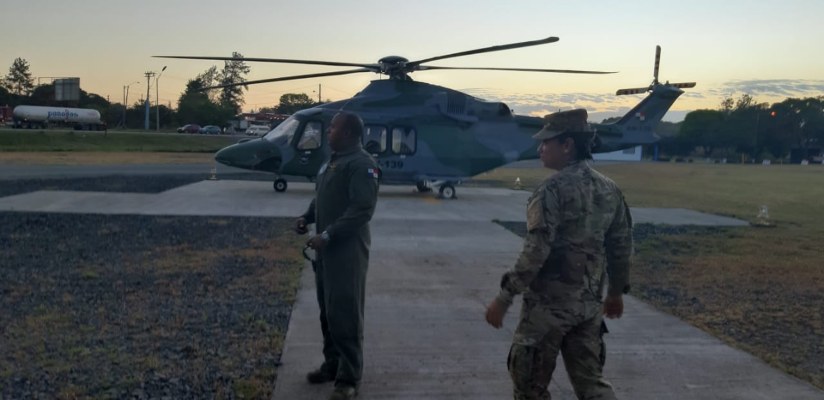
770 50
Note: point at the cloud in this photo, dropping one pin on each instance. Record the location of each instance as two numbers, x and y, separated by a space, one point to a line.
778 88
605 105
539 104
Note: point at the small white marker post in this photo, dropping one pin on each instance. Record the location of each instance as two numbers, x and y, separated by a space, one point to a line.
213 177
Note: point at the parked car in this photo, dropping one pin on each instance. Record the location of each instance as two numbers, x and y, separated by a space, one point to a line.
189 128
211 130
258 130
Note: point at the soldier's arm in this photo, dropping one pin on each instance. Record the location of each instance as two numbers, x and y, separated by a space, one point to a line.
309 215
618 244
363 195
542 221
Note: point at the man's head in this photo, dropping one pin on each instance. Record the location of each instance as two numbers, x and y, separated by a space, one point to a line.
345 131
566 137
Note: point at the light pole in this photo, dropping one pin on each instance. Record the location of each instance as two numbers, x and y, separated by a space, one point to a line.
126 100
157 100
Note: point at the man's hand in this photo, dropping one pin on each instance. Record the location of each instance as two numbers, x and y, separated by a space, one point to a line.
495 314
316 242
614 306
300 226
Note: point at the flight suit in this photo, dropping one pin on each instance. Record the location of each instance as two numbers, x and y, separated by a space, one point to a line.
579 230
346 194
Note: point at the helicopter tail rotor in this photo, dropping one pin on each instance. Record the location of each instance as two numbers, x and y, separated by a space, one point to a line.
657 63
622 92
655 83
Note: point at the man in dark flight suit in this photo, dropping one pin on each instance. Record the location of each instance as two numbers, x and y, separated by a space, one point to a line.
346 194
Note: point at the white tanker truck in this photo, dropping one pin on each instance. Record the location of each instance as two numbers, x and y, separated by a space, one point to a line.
42 117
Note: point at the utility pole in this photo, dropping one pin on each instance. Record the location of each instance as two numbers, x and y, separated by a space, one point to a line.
125 107
149 75
157 99
319 93
126 100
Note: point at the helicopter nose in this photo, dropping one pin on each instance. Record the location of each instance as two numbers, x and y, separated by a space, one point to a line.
250 155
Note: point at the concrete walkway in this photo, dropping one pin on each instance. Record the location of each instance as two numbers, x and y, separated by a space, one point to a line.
426 337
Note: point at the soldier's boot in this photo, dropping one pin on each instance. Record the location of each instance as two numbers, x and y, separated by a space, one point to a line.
344 393
325 373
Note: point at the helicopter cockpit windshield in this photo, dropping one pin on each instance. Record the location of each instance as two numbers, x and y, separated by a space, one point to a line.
283 133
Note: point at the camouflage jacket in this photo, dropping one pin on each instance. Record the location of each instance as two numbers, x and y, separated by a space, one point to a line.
579 229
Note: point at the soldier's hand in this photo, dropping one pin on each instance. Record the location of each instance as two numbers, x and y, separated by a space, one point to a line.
300 226
495 314
316 242
614 306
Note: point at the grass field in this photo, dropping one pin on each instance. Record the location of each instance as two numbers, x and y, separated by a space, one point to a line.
35 140
759 289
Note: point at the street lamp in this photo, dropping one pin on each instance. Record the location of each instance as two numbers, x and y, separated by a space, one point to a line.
157 100
126 100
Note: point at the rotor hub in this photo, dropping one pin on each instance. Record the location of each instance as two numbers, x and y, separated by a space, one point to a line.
394 66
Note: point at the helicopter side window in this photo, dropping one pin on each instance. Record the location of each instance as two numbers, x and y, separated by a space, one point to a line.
311 137
403 140
374 139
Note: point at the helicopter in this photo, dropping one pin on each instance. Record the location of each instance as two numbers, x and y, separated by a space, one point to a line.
423 134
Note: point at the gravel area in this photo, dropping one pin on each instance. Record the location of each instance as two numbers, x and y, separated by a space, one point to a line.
141 307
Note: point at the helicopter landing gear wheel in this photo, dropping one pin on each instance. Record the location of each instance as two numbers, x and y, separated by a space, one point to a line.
280 185
447 191
422 187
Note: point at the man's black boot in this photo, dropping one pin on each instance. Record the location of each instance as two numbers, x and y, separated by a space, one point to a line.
322 375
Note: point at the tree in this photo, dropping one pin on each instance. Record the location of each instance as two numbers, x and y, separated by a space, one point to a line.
5 96
19 80
700 129
291 103
194 106
211 77
234 72
42 95
797 123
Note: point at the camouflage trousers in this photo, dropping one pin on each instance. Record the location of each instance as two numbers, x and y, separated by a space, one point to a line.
532 362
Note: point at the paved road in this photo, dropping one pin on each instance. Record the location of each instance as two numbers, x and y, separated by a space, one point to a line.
434 265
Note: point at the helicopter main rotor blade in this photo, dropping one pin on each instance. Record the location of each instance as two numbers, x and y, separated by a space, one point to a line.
277 60
562 71
289 78
550 39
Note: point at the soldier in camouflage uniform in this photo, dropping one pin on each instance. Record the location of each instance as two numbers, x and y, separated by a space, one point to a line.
346 195
578 233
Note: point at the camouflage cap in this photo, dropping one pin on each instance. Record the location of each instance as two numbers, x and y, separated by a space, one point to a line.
572 121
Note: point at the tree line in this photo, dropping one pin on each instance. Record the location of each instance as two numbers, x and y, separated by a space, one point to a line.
743 129
195 105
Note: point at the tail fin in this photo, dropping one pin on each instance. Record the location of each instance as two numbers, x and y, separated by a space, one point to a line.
638 125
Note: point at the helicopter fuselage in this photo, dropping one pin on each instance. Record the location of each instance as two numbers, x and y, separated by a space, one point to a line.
421 133
416 131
